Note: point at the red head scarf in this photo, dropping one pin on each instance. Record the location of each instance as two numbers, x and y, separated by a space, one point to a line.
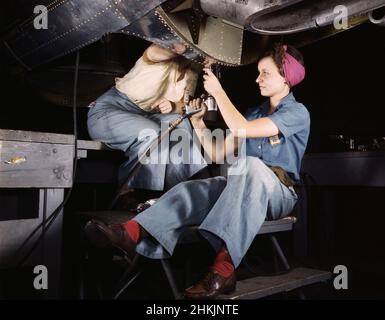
294 71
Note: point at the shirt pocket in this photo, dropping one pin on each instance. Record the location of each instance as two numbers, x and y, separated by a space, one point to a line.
277 153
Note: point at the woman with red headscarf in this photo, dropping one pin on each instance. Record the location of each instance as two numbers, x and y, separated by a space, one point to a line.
230 211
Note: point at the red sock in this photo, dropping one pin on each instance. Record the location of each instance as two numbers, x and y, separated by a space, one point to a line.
133 230
223 264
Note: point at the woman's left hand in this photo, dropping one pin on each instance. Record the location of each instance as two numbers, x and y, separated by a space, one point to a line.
198 104
163 105
211 83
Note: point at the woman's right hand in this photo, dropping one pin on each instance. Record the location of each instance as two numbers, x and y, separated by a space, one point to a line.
196 104
178 48
156 53
163 105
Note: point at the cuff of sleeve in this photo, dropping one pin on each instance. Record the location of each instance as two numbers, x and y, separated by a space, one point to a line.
281 127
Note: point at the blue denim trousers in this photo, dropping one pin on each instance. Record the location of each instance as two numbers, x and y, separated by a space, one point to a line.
227 210
119 123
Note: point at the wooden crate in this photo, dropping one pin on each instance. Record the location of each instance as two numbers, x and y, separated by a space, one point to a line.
39 160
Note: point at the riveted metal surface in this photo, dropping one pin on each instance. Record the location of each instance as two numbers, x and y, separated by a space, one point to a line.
308 15
72 24
217 39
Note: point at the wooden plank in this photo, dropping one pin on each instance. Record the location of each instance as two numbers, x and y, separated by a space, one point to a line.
81 153
32 136
284 224
47 137
92 145
259 287
52 241
35 165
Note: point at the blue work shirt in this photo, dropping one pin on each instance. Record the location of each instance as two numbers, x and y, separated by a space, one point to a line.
286 151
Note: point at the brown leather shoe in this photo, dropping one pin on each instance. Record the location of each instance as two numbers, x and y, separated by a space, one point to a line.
102 235
211 286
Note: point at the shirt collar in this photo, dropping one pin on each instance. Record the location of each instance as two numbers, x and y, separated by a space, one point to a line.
264 107
285 100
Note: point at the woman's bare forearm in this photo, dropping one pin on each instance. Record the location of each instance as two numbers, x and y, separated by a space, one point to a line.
158 54
239 125
216 149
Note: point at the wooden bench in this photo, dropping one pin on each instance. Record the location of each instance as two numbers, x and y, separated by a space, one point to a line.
260 287
40 165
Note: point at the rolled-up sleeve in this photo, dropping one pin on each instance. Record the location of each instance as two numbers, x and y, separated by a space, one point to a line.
291 118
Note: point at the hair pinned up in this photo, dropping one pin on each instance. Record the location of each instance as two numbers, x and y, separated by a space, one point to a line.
280 54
